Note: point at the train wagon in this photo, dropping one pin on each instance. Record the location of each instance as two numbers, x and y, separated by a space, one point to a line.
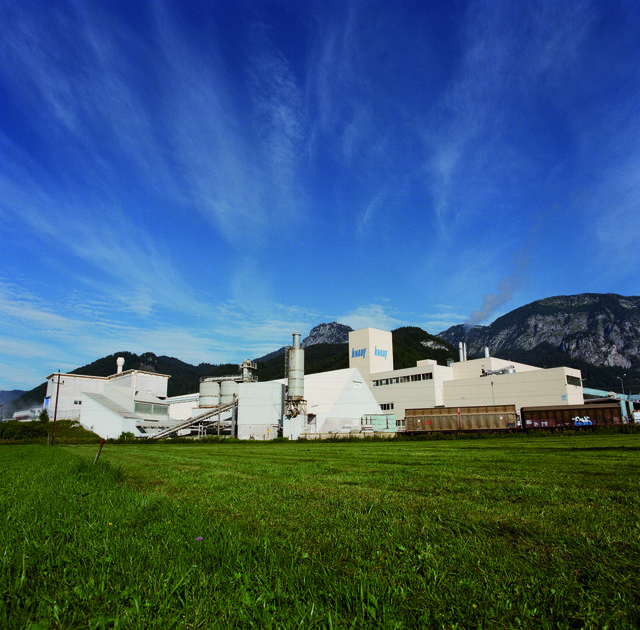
485 418
569 416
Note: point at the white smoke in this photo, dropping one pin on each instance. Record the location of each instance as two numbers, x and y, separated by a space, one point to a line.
492 301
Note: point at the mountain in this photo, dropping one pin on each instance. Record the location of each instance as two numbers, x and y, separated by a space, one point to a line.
327 333
596 333
8 396
326 348
410 344
185 378
332 333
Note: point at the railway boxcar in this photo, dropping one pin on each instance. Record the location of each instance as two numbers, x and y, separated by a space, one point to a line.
568 416
485 418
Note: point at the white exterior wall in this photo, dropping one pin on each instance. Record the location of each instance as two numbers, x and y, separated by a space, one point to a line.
337 399
370 351
411 394
137 381
70 394
181 407
474 367
102 421
528 388
260 408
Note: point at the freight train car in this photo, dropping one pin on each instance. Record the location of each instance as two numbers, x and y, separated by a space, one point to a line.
485 418
569 416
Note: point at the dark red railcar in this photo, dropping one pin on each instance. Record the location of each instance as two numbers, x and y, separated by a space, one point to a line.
569 416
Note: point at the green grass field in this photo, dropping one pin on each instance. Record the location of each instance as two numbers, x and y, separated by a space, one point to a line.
497 533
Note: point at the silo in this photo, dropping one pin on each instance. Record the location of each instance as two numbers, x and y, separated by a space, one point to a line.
209 394
296 370
227 390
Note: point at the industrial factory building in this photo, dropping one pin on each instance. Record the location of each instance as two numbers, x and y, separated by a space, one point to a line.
466 383
365 398
109 405
135 402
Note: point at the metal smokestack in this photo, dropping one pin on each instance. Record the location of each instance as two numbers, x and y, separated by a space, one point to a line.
295 403
296 370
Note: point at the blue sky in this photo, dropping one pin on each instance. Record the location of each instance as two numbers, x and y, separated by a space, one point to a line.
201 179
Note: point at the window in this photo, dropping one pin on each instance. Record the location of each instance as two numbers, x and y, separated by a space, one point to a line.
150 409
386 406
574 380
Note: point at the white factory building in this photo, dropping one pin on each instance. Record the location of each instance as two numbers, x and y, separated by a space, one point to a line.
365 398
485 381
110 405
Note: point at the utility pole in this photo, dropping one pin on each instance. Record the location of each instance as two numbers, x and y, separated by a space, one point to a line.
624 400
55 411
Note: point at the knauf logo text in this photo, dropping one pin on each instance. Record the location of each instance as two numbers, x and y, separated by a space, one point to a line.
380 353
358 353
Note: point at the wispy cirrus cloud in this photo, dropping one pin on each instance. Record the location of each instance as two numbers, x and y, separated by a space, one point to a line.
510 55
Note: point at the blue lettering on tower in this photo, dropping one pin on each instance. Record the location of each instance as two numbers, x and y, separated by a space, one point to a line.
358 353
380 353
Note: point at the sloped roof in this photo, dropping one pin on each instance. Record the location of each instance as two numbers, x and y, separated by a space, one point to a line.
326 391
111 405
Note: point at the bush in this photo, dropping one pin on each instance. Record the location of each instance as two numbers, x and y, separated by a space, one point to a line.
15 430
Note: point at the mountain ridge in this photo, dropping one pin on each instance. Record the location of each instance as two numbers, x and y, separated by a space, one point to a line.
594 332
598 333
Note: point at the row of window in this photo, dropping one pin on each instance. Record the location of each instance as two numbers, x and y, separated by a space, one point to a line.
386 406
427 376
151 409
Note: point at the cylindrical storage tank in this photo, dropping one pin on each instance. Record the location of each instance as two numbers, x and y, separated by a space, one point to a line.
209 394
296 370
227 390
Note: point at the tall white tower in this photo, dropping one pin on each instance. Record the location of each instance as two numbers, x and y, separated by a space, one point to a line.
371 351
295 403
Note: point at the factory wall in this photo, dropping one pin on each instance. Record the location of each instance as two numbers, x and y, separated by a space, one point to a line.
103 421
260 408
336 400
72 386
528 388
181 407
409 388
138 381
474 367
